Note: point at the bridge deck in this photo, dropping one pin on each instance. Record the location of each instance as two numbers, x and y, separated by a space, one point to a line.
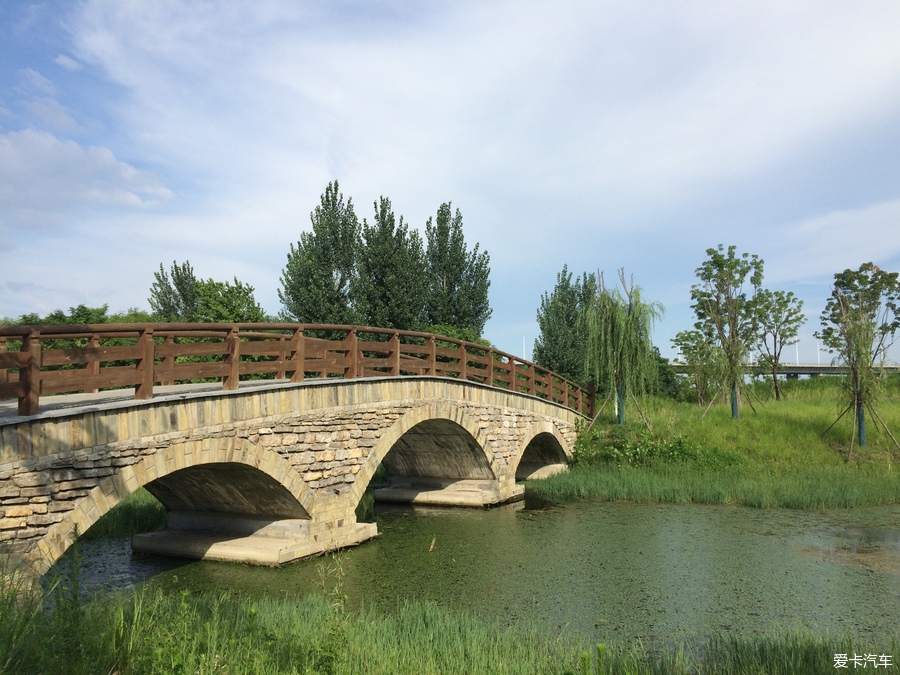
112 399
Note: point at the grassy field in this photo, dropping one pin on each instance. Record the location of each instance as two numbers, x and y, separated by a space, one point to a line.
776 456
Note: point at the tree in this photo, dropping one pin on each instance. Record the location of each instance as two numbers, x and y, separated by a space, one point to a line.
388 291
224 302
457 279
317 278
858 324
724 310
617 327
704 361
779 317
183 297
561 345
175 298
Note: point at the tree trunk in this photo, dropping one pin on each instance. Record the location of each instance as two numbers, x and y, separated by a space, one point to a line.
861 423
734 401
620 400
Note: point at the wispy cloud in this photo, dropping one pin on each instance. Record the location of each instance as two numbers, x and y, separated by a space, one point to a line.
602 135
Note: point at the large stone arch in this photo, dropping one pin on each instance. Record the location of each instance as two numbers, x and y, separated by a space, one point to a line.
438 412
544 451
168 462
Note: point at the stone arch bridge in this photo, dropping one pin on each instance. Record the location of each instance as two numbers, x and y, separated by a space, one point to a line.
264 471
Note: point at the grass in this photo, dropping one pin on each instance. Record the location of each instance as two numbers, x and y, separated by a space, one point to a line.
151 631
138 512
777 456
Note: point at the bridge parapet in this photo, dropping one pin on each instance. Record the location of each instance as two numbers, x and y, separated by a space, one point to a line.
42 360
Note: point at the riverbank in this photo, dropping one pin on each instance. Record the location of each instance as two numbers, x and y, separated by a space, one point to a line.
778 456
150 631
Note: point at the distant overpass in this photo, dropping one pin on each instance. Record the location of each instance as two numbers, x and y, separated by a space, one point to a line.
793 370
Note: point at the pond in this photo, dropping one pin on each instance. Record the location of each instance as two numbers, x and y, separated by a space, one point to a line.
606 571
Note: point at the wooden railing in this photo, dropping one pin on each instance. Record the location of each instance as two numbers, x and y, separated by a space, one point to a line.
57 359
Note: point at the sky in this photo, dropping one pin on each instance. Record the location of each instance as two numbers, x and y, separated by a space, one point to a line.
602 135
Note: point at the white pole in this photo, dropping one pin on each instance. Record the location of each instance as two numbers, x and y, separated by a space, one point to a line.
797 350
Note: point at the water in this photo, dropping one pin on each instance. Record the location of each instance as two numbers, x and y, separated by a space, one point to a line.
606 571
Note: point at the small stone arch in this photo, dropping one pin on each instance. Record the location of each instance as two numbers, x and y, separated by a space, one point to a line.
183 456
444 414
544 451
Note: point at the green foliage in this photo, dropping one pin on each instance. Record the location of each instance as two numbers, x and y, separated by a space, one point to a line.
705 363
859 323
457 333
562 344
184 298
138 512
627 446
175 298
458 279
224 302
726 315
316 282
388 291
779 317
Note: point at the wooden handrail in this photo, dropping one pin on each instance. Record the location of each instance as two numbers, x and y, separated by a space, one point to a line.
57 359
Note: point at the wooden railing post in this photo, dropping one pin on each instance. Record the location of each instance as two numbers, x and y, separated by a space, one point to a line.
352 354
232 360
168 361
463 362
93 367
530 387
432 356
281 373
298 358
511 375
490 368
30 376
144 389
395 354
4 373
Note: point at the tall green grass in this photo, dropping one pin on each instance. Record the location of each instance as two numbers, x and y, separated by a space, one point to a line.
152 631
778 456
138 512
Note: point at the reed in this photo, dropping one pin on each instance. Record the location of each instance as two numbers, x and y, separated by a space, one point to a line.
778 456
138 512
152 631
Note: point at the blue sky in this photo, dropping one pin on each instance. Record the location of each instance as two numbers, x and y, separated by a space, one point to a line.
602 135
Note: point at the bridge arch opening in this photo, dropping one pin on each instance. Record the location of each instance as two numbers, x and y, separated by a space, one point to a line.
436 454
225 487
543 456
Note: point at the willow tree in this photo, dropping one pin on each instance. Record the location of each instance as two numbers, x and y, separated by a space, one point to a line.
617 325
859 322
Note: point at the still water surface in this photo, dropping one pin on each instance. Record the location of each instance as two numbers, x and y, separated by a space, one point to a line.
606 571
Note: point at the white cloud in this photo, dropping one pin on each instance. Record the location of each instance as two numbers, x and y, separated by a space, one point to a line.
67 62
43 179
604 135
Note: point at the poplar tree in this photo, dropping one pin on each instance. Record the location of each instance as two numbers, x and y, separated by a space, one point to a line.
175 297
457 279
859 323
561 345
315 283
388 290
